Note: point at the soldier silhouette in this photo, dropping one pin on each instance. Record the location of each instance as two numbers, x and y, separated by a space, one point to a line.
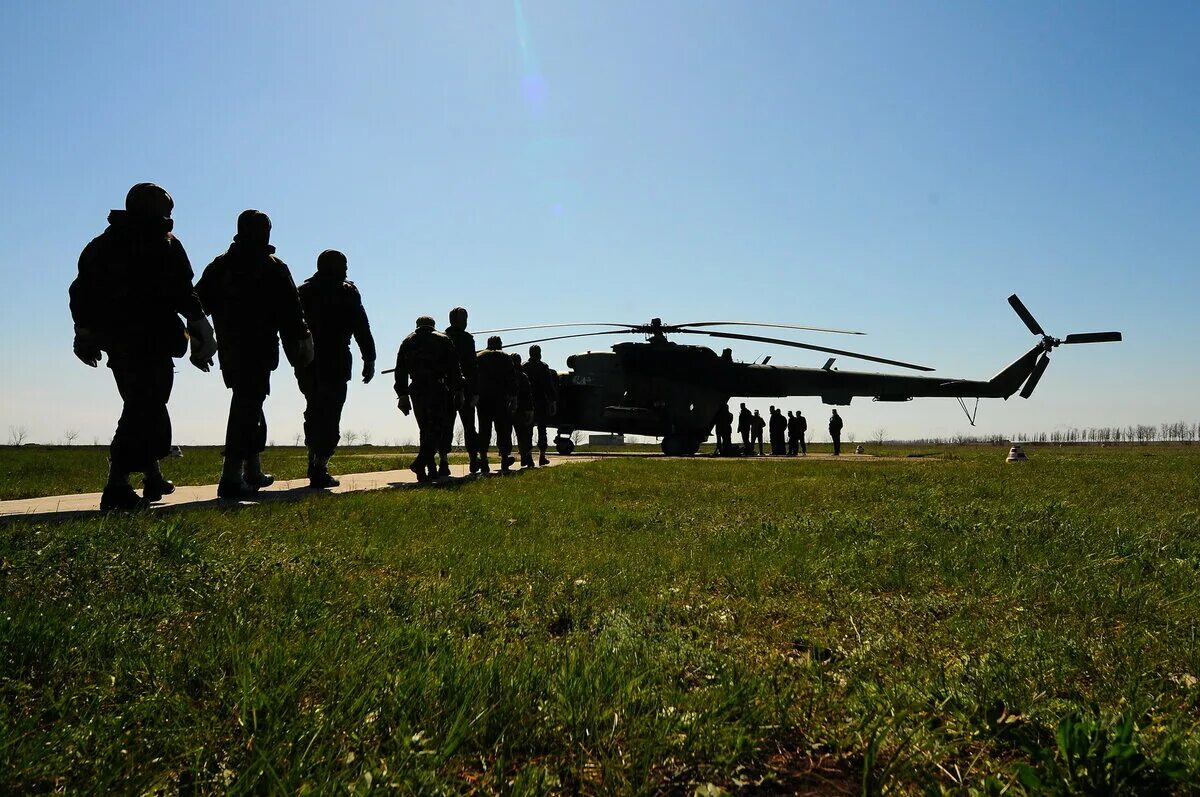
523 417
464 346
544 382
334 311
134 283
250 294
497 402
757 423
835 432
429 383
745 427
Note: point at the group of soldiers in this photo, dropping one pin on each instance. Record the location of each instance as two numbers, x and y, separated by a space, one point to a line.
134 284
787 433
440 375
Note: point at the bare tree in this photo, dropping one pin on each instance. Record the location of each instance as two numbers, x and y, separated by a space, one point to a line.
298 440
70 436
17 435
577 436
351 438
366 437
879 435
460 436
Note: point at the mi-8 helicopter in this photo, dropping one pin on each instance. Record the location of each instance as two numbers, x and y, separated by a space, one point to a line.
673 391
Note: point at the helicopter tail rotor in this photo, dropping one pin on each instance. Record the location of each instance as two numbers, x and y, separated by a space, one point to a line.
1049 343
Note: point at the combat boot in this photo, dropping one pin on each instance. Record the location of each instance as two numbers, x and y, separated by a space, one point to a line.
544 460
484 467
118 495
506 463
319 477
232 484
527 461
474 466
254 476
155 485
443 470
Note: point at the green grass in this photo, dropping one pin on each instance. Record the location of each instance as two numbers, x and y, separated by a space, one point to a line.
622 626
31 471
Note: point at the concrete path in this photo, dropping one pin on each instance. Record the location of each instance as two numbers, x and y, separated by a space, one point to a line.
66 506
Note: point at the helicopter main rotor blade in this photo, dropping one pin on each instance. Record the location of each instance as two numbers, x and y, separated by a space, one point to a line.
1026 316
552 326
564 337
1092 337
793 343
760 324
1035 376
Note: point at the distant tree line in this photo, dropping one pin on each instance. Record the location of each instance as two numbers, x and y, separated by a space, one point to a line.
1177 432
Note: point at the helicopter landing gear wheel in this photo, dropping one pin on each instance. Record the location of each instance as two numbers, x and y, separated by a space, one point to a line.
680 445
565 445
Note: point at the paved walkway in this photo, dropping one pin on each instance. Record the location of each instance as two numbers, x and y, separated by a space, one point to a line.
66 506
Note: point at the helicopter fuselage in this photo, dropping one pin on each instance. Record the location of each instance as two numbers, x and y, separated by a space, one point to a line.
674 391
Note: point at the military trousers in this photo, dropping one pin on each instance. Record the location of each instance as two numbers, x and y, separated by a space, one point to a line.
494 414
466 414
524 432
745 440
756 439
246 430
837 442
143 433
324 397
435 414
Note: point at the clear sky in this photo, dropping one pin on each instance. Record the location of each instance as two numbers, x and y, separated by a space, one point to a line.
898 168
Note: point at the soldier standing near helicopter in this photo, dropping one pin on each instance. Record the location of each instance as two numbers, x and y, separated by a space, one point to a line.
745 422
523 417
835 432
544 382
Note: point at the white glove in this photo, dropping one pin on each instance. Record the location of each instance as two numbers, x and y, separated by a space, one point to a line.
305 351
204 343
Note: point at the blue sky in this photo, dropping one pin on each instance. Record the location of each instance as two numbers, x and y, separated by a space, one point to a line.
895 168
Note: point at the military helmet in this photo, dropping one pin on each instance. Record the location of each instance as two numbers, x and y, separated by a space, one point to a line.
148 199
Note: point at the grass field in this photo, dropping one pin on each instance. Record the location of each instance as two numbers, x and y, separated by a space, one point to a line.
30 471
922 625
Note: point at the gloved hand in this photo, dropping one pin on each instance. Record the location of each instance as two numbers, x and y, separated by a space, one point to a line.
86 347
203 341
459 399
405 404
305 351
552 408
512 404
368 371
